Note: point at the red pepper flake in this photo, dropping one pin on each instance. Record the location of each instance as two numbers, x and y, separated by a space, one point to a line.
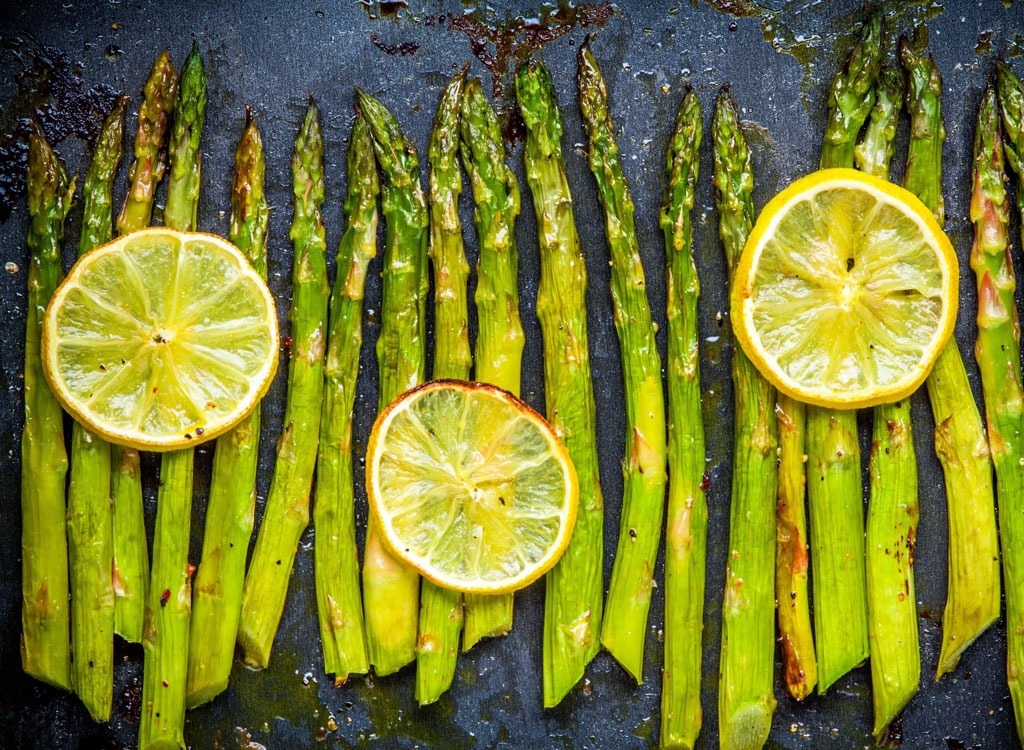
705 482
288 345
190 569
155 389
165 597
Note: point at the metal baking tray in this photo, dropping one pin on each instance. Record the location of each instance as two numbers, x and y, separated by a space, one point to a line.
63 61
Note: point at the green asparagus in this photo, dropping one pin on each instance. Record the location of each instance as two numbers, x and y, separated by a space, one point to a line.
169 601
286 514
44 464
441 614
390 589
687 523
572 609
643 497
131 557
834 490
90 530
893 506
500 340
799 665
148 168
972 603
336 560
745 699
998 347
217 593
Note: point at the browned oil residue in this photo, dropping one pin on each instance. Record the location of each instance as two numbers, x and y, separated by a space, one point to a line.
50 90
738 8
245 740
129 703
502 47
984 44
402 48
894 734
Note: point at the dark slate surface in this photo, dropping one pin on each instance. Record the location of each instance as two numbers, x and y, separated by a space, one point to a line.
270 55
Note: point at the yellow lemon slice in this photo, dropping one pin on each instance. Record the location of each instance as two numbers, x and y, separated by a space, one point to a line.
846 291
470 486
161 339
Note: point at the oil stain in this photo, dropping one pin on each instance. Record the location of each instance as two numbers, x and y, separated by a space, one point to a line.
503 46
500 44
804 30
50 90
402 48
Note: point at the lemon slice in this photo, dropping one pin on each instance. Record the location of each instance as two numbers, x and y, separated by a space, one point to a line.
470 486
161 339
846 291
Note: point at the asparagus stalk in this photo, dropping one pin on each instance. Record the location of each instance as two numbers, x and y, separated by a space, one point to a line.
893 507
644 478
217 593
44 463
972 603
875 149
687 524
998 348
745 699
572 608
799 665
169 601
852 96
148 168
390 589
834 490
499 340
131 557
90 530
441 609
287 511
336 561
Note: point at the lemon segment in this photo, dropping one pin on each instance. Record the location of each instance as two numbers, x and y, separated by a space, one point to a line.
161 339
470 487
846 291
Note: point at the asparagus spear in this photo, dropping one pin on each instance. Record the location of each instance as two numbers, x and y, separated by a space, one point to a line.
893 507
287 511
874 151
441 609
169 601
852 95
131 558
644 478
799 665
148 168
217 594
745 699
90 531
972 603
572 609
500 340
390 589
834 489
44 463
687 524
998 348
336 562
